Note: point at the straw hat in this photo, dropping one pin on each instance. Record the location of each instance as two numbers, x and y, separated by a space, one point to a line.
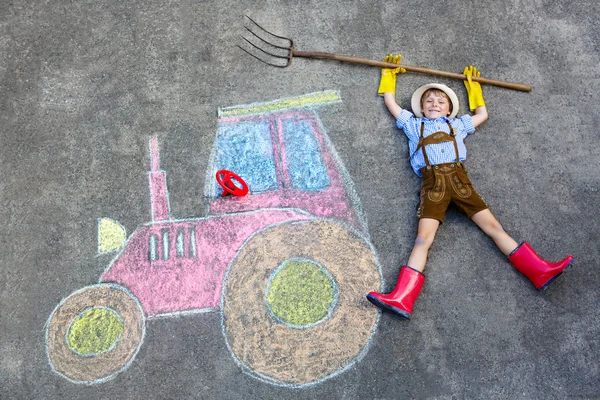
415 101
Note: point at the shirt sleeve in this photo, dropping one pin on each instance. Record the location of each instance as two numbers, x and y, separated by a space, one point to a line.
466 124
403 119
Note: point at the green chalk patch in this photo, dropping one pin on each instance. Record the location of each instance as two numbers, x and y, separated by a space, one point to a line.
94 331
300 293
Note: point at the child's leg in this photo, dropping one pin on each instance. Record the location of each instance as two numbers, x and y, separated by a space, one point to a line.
425 235
490 225
411 278
539 271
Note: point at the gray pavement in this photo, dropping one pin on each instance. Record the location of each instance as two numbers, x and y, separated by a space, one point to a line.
84 84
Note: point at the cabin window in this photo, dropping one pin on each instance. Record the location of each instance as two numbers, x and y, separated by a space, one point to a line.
246 148
305 163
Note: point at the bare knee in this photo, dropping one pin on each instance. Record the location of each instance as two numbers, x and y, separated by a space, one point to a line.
494 230
488 223
495 227
424 240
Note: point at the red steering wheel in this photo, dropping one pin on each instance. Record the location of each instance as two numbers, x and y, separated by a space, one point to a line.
225 179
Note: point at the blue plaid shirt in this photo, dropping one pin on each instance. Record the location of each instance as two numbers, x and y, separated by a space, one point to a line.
438 153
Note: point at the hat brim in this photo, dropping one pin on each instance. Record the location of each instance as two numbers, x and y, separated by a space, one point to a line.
415 101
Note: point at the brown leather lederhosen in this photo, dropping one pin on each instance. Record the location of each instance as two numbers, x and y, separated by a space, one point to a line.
445 183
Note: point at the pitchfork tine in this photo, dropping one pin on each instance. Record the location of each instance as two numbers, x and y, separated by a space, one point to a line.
287 58
264 51
272 34
263 43
261 60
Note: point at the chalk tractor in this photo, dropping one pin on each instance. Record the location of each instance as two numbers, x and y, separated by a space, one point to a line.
287 266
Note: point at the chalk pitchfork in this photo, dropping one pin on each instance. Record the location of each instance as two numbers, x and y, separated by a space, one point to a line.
279 51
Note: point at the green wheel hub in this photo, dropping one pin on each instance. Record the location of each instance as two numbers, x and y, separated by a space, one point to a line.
94 331
301 293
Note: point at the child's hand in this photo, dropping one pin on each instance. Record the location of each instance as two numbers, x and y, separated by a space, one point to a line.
388 75
473 88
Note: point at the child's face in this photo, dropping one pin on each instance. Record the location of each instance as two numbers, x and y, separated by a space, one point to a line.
435 106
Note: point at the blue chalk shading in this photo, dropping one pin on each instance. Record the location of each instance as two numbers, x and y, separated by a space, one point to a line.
192 248
179 243
153 248
304 160
246 149
166 244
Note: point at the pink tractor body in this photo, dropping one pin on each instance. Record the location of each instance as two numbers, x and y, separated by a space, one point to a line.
178 265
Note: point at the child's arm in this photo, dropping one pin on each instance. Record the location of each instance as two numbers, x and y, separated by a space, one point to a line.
475 93
390 103
387 85
481 115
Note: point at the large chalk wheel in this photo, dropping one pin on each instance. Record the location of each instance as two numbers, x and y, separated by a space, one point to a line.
95 333
312 346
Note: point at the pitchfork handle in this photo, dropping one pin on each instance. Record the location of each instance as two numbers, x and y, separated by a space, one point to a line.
374 63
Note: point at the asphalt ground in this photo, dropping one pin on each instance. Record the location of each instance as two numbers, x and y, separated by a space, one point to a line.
84 84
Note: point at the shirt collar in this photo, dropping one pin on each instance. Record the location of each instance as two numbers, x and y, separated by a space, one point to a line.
438 119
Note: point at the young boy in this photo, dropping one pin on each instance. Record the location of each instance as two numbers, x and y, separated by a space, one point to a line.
437 153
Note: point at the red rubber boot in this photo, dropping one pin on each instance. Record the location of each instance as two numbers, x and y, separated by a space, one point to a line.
539 271
402 298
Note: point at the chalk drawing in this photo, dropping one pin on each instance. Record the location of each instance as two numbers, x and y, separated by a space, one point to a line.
111 235
285 355
114 348
161 209
287 265
308 100
301 293
95 331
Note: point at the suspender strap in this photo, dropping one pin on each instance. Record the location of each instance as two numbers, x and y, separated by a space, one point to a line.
434 138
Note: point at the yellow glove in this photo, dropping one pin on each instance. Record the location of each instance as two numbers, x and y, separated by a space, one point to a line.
388 75
473 88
